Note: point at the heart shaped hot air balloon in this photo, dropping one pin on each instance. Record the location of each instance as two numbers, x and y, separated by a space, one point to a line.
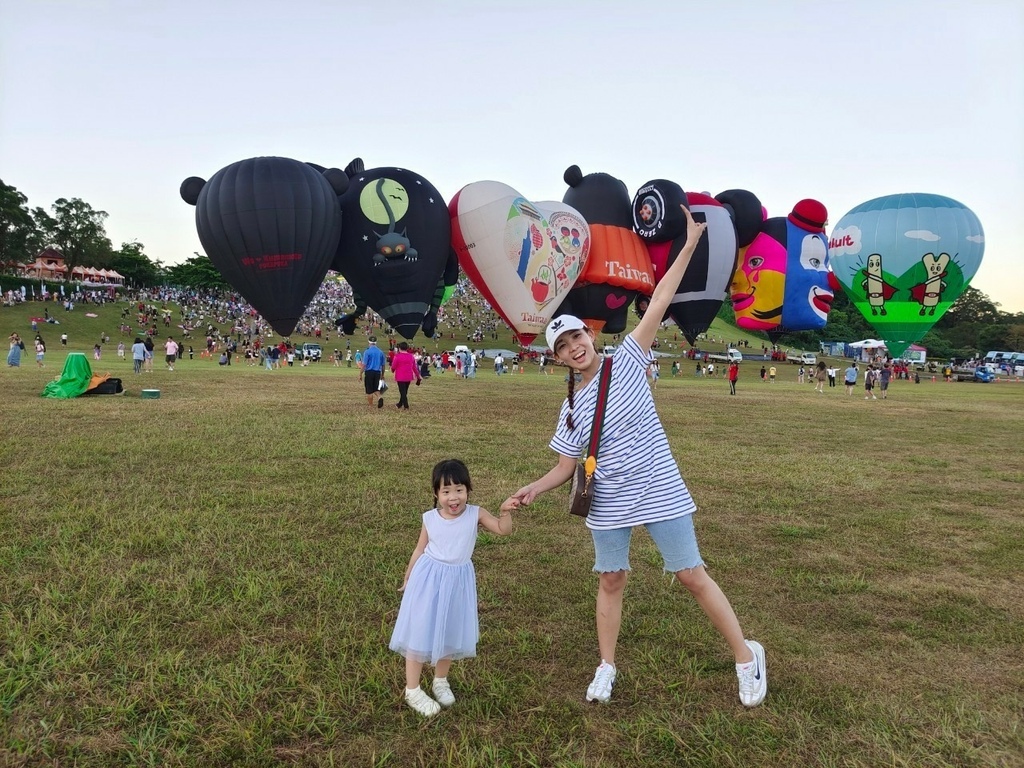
395 243
904 259
270 225
523 257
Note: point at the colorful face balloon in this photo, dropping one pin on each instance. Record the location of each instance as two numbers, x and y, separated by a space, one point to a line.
659 220
619 267
394 244
524 257
904 259
270 225
782 281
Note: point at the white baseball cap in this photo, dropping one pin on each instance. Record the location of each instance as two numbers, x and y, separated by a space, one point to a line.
560 325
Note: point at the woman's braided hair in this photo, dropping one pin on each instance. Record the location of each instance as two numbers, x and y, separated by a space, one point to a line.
572 386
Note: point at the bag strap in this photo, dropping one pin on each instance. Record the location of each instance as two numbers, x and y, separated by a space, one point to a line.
602 400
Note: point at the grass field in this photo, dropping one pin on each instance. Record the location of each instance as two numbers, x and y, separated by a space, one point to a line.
210 578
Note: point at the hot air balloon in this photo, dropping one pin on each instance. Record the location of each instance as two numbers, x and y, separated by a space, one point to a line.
619 266
782 282
271 226
524 257
395 243
444 290
904 259
659 220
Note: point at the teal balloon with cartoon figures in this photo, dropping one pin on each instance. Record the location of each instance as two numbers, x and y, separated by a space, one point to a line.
904 259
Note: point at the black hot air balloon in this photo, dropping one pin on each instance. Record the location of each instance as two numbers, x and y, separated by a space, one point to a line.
271 226
395 243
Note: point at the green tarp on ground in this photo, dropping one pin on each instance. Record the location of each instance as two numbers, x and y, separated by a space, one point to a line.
74 379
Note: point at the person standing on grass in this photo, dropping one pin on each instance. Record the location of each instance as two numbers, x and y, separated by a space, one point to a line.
734 374
869 383
819 377
403 366
40 351
170 352
884 376
437 621
832 371
373 369
850 378
637 482
138 354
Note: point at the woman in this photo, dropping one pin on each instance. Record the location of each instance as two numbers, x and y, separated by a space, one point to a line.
403 365
138 354
819 377
637 482
14 354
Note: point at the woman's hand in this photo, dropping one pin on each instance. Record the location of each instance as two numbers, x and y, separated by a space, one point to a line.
524 495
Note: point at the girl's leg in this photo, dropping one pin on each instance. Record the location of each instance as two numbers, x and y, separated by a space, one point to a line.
442 667
611 587
413 671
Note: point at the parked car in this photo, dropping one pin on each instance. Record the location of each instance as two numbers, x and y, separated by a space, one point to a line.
797 357
310 352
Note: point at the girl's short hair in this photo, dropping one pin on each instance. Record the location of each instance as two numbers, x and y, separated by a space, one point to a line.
450 472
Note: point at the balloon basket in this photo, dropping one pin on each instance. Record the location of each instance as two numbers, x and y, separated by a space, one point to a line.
151 394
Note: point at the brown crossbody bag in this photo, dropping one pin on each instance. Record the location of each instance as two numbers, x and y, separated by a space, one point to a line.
581 492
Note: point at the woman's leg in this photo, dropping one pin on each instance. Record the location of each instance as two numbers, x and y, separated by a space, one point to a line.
717 608
403 394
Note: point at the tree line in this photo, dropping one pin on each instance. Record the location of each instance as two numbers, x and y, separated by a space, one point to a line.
974 324
77 230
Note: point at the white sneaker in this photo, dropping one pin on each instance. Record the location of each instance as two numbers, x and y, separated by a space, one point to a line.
753 676
600 688
443 692
421 702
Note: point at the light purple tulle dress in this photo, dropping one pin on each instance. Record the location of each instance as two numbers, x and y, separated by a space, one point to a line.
438 616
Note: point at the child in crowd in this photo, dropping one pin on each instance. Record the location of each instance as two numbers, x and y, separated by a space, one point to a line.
437 621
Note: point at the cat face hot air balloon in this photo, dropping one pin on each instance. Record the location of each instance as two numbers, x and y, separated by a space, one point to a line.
271 226
394 244
904 259
524 257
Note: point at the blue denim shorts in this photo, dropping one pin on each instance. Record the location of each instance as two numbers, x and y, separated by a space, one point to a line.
675 539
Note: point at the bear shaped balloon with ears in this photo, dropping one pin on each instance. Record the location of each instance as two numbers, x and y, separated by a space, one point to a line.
271 226
659 219
618 267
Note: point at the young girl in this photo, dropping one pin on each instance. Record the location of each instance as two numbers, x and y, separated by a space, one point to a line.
637 482
437 621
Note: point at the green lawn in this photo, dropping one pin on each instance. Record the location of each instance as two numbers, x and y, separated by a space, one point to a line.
210 578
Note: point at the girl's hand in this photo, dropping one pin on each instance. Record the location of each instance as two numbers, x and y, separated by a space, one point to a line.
511 504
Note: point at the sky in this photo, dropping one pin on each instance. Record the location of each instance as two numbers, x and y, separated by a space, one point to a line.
117 102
